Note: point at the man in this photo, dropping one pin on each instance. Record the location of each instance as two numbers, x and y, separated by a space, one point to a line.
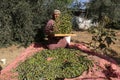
54 42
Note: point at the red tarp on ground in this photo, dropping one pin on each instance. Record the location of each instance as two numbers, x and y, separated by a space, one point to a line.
104 67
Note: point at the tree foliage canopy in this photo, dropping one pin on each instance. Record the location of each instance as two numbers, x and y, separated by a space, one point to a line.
109 8
22 21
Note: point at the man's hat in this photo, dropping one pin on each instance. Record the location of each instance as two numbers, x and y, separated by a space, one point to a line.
56 11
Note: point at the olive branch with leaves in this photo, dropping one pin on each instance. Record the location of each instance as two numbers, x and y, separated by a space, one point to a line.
63 24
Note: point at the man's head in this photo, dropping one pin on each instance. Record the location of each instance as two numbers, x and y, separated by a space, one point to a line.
57 13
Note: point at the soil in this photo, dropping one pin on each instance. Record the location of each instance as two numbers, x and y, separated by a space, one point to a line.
10 53
85 37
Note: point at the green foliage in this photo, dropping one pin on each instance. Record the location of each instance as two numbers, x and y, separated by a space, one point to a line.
22 28
110 8
22 21
64 63
63 25
102 38
5 25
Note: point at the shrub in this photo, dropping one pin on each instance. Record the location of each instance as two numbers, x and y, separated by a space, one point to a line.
22 28
22 21
102 38
109 8
64 63
65 25
5 25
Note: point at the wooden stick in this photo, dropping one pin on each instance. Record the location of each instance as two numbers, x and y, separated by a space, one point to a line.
57 35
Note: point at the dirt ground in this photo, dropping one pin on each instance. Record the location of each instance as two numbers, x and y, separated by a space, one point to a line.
86 37
12 52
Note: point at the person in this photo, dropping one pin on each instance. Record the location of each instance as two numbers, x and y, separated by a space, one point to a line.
54 42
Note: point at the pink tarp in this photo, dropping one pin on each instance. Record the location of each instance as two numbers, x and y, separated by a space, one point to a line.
104 67
6 73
